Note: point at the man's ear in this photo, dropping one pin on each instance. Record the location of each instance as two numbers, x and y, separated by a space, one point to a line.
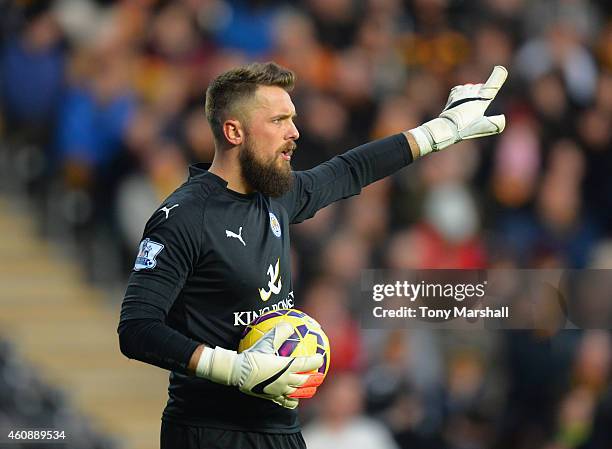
233 132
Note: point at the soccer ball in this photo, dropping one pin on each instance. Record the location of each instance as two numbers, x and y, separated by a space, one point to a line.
307 339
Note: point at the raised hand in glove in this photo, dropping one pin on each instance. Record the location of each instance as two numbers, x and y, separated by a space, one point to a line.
463 116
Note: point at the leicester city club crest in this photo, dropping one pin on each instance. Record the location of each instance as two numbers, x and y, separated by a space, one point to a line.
275 225
147 253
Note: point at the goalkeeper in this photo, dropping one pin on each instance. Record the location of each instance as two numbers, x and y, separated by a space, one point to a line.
216 255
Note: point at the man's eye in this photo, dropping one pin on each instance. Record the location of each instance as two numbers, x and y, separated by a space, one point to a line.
276 120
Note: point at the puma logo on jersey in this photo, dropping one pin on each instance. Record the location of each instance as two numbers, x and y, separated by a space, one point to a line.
167 209
274 284
234 235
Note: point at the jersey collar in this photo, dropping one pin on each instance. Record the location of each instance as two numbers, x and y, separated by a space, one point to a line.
201 170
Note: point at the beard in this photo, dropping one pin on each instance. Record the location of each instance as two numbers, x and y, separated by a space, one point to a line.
269 178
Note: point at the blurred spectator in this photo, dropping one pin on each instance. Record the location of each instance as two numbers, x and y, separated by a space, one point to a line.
389 377
601 432
336 21
297 47
32 76
435 46
559 205
324 126
326 300
575 418
247 27
447 236
344 256
197 137
493 46
517 164
560 48
342 424
592 368
95 115
593 363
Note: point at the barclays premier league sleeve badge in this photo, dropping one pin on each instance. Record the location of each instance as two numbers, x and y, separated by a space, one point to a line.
147 253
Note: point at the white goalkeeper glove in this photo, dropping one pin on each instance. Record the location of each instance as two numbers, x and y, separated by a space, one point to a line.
463 116
258 371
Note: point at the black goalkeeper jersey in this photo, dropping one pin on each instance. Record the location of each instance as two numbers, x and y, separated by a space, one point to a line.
211 260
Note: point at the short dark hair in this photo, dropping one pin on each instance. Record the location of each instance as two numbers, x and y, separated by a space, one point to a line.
239 84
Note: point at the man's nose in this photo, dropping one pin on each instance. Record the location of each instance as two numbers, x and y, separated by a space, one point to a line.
294 134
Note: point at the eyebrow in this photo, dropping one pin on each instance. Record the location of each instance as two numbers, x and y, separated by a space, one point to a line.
284 116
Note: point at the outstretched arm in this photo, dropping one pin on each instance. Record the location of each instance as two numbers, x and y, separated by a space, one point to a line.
345 175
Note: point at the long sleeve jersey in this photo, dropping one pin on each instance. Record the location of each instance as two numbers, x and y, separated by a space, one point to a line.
211 260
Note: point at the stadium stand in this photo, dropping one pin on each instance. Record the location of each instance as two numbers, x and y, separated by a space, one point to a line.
59 364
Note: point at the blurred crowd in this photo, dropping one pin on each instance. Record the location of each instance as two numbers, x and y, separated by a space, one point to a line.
102 111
